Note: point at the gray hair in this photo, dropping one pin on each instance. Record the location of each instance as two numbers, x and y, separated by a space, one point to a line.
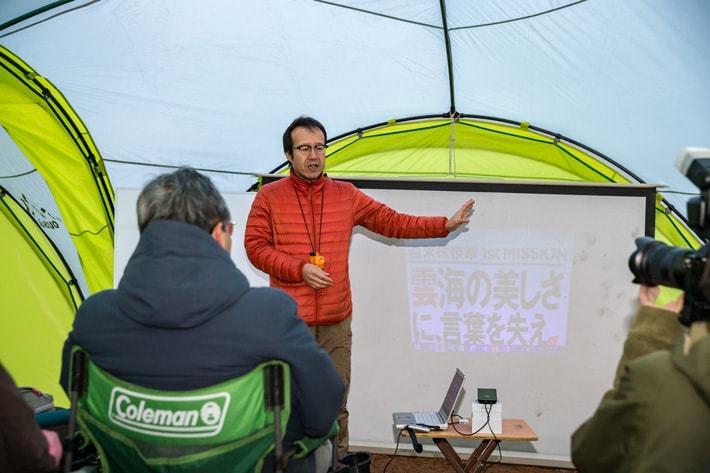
185 196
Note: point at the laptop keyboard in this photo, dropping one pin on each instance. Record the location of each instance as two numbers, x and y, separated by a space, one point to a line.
427 418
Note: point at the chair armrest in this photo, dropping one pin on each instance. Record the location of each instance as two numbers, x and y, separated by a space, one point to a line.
303 447
52 418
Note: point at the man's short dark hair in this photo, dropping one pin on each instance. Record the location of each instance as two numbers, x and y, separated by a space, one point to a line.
185 196
305 122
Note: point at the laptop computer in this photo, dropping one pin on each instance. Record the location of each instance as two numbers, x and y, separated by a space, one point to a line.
432 419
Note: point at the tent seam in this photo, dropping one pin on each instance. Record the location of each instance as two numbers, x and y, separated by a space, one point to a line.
511 20
38 12
361 10
19 175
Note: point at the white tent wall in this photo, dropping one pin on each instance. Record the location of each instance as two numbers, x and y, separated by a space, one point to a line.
628 79
213 84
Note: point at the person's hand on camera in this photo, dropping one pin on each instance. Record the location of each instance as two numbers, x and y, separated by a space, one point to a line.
316 277
649 294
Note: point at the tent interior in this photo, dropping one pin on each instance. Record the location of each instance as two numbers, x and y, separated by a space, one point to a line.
525 91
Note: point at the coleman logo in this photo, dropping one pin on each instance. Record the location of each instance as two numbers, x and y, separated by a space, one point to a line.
187 416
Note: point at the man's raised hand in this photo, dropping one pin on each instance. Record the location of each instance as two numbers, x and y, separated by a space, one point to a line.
461 217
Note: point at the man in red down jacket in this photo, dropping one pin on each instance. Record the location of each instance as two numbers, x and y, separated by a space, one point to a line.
299 229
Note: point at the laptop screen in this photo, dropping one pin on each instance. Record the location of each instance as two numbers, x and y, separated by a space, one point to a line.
453 393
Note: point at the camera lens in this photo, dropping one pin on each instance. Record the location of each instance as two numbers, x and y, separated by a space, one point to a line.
654 263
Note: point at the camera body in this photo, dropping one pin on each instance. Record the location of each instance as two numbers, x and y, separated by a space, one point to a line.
655 263
694 163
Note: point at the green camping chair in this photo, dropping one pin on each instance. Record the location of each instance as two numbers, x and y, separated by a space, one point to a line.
228 427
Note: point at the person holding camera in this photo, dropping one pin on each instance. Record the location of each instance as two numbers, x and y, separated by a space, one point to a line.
653 328
657 417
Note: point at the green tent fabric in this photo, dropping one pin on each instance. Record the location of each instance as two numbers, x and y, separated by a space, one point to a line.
44 139
37 304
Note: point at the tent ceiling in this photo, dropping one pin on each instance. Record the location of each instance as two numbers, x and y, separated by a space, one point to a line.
213 85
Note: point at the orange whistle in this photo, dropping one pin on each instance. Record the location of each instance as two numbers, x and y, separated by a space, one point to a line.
317 259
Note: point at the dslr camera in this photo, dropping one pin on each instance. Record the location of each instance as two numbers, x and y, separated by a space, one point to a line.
655 263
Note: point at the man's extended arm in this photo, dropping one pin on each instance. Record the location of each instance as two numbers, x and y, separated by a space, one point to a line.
384 220
259 245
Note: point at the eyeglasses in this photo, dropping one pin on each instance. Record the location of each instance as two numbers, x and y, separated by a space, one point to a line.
228 227
306 149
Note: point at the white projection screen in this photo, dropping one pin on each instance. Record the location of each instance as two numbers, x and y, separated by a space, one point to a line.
534 298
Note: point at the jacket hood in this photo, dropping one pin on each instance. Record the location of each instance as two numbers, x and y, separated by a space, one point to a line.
178 277
695 366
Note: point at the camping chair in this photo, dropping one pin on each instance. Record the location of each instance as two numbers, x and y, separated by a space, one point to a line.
228 427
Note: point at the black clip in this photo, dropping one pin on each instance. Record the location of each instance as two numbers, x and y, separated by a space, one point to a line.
415 443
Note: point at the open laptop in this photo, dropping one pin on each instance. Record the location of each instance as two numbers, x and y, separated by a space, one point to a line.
434 420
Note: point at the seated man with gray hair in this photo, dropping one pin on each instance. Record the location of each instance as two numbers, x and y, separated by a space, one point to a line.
184 317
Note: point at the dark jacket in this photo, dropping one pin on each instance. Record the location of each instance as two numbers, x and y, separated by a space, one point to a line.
184 317
656 420
23 448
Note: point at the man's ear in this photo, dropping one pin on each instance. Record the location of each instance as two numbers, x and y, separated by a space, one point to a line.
221 235
289 158
218 232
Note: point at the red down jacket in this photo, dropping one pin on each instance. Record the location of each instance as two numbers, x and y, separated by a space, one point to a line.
277 238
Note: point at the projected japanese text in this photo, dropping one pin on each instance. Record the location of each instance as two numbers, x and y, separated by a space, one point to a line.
489 298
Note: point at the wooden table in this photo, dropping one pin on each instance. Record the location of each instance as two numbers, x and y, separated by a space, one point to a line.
513 429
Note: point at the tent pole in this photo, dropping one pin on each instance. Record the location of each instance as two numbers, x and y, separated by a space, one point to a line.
449 62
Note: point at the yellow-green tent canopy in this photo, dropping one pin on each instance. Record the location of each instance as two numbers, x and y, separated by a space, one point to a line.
56 222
